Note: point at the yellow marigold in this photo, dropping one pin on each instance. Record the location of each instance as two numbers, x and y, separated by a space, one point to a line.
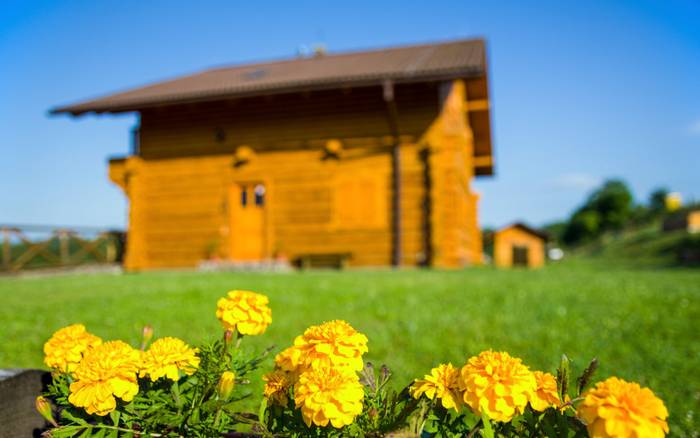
244 311
167 357
277 384
106 371
65 349
333 343
616 408
546 394
443 383
328 394
290 359
497 384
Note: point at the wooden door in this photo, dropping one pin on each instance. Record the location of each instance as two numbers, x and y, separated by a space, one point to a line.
520 255
247 203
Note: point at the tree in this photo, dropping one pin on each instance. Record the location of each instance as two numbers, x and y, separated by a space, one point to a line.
609 208
657 200
583 225
613 202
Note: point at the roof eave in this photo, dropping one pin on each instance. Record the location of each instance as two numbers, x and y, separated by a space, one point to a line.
85 108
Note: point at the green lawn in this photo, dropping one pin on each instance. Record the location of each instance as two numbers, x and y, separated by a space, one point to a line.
642 324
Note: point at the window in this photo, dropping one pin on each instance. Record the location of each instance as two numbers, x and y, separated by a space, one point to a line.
260 195
253 195
244 196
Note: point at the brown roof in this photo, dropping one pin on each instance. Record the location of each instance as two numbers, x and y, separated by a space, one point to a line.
528 229
449 60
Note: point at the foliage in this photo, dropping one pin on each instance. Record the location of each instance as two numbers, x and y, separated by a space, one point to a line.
657 200
645 246
607 208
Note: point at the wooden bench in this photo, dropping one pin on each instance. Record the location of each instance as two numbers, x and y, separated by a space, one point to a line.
323 260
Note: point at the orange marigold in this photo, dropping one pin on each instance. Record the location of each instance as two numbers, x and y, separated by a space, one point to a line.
65 349
167 357
328 394
333 343
106 371
244 311
546 394
277 384
616 408
443 383
496 384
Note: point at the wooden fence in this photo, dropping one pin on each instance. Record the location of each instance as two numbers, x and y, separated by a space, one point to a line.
32 246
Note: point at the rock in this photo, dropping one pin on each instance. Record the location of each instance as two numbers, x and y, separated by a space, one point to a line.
19 389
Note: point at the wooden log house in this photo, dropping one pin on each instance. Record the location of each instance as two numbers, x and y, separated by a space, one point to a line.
363 155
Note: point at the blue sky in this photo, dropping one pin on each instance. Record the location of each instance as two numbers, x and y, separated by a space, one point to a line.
581 91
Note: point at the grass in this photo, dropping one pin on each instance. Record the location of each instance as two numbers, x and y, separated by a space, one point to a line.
641 324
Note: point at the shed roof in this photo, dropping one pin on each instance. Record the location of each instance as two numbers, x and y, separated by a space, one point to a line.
528 229
455 59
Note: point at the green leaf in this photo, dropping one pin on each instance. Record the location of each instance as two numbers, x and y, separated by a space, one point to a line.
563 375
66 431
68 416
99 433
262 409
562 425
487 432
548 428
114 415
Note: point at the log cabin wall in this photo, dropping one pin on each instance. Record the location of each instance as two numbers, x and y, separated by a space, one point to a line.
180 184
455 235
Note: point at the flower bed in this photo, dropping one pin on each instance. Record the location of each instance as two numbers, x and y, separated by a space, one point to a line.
320 386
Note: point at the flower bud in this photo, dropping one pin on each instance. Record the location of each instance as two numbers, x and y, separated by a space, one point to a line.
373 413
226 384
146 335
44 408
228 336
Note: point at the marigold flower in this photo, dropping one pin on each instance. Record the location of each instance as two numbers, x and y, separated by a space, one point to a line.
277 384
546 394
496 384
328 394
106 371
443 383
616 408
290 359
226 384
167 357
65 349
334 343
244 311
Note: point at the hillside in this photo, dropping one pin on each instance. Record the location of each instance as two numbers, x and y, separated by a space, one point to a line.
644 246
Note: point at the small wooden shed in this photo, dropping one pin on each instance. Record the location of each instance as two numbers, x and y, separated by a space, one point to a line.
364 156
519 245
688 220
